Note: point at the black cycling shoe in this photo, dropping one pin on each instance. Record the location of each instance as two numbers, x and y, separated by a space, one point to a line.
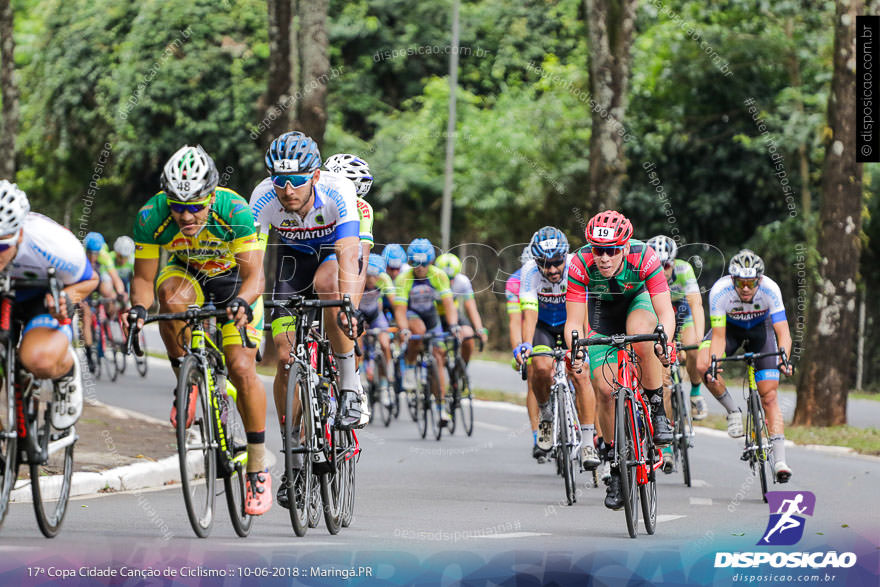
281 496
613 497
540 455
663 432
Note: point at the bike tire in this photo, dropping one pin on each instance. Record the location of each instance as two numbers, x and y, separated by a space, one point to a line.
235 483
299 488
435 404
109 354
682 433
386 409
466 404
422 404
648 491
333 481
197 459
315 503
141 362
625 455
50 499
761 458
564 458
350 487
8 442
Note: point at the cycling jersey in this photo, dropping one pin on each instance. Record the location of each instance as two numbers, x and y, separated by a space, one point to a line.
372 296
511 292
47 244
682 281
641 270
104 262
365 212
419 294
229 231
540 294
725 307
333 216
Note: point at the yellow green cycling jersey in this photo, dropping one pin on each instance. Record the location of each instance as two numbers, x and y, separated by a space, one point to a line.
365 213
420 293
229 230
105 260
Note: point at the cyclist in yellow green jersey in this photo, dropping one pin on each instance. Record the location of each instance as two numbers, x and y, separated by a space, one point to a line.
378 285
416 291
123 259
110 285
463 294
215 254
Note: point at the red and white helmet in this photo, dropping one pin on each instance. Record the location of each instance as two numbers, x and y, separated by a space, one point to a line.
608 229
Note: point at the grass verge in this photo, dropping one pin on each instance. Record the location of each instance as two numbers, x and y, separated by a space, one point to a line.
495 395
865 441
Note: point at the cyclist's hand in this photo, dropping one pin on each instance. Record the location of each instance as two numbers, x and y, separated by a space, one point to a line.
455 330
122 298
785 368
135 315
240 311
348 329
484 335
667 355
404 334
574 361
61 314
522 352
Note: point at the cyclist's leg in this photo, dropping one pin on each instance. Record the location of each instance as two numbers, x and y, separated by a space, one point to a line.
641 319
86 323
385 368
176 290
763 340
467 347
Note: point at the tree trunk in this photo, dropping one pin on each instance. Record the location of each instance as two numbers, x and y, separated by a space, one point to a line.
315 69
829 358
9 93
794 74
295 60
279 102
611 24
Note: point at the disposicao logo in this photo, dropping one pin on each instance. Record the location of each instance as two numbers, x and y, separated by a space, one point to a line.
785 528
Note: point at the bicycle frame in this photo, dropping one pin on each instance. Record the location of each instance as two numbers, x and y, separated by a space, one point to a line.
626 377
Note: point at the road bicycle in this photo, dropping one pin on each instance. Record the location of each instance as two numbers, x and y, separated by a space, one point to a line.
758 451
372 364
566 433
106 355
460 400
322 452
215 444
682 424
27 436
635 457
426 374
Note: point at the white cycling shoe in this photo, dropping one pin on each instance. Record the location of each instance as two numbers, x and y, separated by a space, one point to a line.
782 472
735 424
67 400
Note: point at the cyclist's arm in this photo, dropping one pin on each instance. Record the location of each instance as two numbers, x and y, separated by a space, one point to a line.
449 309
470 307
117 281
347 252
695 302
250 265
78 291
662 303
401 299
719 340
530 320
575 317
145 270
515 329
783 336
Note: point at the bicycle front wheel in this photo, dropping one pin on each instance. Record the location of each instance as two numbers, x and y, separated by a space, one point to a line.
466 403
333 482
50 479
108 352
298 467
565 442
761 456
422 403
349 466
235 483
434 405
625 437
141 362
196 448
682 432
8 437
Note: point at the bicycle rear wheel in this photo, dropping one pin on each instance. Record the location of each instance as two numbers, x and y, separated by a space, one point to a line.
682 432
235 483
108 352
50 479
196 448
564 442
8 436
333 482
624 441
298 468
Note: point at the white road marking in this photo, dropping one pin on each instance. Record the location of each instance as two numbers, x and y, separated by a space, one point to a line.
493 426
515 535
701 501
669 517
699 483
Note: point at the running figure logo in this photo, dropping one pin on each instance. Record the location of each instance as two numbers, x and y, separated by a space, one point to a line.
786 524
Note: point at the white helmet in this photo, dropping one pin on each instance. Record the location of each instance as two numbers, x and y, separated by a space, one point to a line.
746 264
124 246
665 247
353 168
14 206
190 174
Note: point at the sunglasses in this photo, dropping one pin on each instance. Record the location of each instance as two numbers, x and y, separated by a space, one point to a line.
8 242
181 207
554 262
743 283
281 181
606 251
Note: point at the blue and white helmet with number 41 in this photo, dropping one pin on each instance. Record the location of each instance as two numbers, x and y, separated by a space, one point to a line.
548 243
292 152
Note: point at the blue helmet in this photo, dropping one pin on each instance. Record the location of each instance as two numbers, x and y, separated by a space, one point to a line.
292 152
548 243
420 252
376 264
93 242
394 256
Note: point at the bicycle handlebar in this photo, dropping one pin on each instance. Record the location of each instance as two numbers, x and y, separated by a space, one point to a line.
749 359
189 315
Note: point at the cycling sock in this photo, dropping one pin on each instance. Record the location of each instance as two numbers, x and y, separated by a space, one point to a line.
650 394
535 436
256 450
348 379
695 389
655 397
727 401
777 441
587 432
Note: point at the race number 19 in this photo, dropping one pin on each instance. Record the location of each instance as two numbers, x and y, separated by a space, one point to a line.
602 232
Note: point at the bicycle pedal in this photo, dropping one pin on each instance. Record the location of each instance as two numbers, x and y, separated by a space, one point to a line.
744 457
